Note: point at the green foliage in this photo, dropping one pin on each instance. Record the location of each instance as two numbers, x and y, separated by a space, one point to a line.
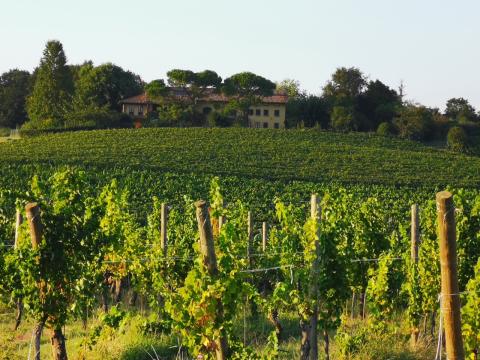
457 139
346 84
471 315
14 88
104 86
460 109
385 129
96 118
288 155
414 122
246 90
343 118
53 88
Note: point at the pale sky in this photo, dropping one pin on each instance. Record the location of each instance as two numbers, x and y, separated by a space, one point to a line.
432 45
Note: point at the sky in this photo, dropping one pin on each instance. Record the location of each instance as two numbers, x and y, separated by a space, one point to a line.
430 45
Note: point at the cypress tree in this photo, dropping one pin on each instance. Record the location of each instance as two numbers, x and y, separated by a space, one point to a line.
51 96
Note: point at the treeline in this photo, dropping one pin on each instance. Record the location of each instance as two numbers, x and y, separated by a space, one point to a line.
351 102
61 96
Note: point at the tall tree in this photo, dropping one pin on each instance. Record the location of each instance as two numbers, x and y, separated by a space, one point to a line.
415 122
246 89
104 86
346 84
460 109
378 103
53 88
194 85
342 94
291 88
14 88
308 111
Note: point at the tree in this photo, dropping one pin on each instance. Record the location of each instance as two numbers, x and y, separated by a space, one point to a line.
342 93
246 89
346 83
385 129
460 109
14 88
291 88
457 139
53 88
308 111
414 122
343 118
194 85
104 86
378 104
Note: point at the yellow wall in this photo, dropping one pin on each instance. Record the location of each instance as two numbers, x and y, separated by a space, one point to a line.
259 120
128 108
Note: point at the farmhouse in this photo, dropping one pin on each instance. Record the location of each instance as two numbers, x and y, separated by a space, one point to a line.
270 113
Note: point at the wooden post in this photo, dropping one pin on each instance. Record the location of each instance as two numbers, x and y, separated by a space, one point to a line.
18 301
32 211
18 223
250 238
207 249
450 298
264 236
315 213
163 228
414 241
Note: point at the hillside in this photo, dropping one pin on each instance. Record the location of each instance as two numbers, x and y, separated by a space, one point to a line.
311 155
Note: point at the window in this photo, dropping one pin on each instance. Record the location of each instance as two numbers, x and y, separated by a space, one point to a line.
265 125
250 112
258 112
257 124
277 113
130 110
207 110
140 110
265 112
276 126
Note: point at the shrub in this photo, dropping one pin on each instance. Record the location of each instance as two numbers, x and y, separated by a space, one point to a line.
97 119
415 123
385 129
343 118
457 139
4 132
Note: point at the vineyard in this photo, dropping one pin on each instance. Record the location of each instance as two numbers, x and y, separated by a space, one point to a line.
309 155
70 250
306 246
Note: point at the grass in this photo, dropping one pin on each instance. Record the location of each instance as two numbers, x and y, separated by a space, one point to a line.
307 155
129 343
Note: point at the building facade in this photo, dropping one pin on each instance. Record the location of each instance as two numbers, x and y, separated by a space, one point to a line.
270 113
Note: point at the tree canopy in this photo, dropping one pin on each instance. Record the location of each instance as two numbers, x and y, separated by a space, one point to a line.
246 89
14 88
104 86
53 88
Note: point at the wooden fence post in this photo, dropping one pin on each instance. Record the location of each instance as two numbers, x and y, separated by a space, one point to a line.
59 351
309 348
264 236
450 297
32 211
414 241
207 249
18 301
250 238
163 229
18 223
315 213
